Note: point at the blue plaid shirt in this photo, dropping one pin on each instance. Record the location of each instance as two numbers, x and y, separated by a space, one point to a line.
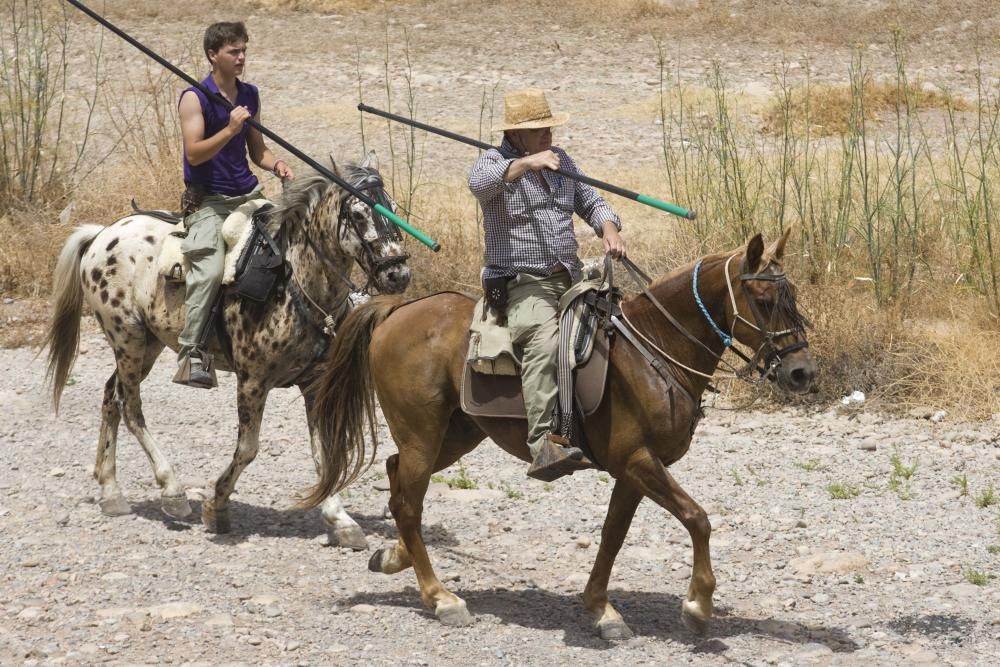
529 222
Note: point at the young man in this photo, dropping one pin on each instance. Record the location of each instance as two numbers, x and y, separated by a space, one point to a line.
217 176
531 251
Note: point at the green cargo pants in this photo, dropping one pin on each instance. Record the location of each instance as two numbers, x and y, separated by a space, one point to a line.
533 321
205 250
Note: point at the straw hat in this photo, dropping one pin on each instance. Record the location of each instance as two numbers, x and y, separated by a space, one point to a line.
529 110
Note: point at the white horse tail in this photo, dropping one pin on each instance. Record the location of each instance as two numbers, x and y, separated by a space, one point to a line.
63 336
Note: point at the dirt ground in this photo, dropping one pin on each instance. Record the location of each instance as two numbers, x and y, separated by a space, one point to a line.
902 571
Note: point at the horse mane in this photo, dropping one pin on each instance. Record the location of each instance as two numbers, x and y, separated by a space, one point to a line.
303 195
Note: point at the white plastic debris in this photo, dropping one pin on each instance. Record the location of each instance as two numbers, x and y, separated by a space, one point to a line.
853 397
938 416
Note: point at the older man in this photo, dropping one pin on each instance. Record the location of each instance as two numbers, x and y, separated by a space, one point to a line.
531 257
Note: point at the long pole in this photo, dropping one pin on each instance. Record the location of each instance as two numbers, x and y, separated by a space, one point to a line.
218 99
628 194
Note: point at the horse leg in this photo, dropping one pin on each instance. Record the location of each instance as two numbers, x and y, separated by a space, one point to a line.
342 530
649 476
390 560
250 399
459 440
411 471
607 621
112 502
135 359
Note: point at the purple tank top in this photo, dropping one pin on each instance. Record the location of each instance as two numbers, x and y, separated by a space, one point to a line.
228 173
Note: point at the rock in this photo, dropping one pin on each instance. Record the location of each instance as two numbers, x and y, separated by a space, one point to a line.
576 580
381 484
472 495
114 576
363 609
272 611
57 472
813 651
821 598
868 445
583 542
175 610
938 416
221 620
30 613
921 413
263 599
964 590
830 563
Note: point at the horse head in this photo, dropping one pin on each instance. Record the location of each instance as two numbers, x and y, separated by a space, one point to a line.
763 314
374 241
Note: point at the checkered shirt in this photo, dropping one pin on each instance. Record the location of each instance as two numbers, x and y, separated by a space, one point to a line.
529 221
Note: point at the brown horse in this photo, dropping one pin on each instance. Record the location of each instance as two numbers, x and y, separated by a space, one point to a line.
413 356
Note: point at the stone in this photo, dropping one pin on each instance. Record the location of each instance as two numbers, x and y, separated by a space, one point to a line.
363 609
583 542
57 472
175 610
221 620
868 445
264 599
381 484
964 590
836 562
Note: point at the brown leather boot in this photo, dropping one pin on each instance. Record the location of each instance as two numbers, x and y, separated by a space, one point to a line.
556 458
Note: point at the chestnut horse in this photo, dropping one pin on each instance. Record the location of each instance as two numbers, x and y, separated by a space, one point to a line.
413 356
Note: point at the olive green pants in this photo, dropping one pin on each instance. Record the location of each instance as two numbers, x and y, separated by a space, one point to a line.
205 250
533 321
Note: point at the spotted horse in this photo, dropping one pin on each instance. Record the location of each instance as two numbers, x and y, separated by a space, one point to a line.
113 270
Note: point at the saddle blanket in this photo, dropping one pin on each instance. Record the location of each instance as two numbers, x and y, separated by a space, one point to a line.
236 230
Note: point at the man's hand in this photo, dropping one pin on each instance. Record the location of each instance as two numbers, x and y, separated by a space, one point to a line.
533 162
614 244
237 117
542 160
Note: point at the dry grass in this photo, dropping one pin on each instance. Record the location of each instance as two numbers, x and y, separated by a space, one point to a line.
828 107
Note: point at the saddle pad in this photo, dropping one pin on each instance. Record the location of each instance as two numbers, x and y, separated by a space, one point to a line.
171 262
500 395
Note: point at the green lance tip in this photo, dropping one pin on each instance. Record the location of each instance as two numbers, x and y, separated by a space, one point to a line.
410 229
666 206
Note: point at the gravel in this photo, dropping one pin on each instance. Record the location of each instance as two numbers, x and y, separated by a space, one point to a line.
885 575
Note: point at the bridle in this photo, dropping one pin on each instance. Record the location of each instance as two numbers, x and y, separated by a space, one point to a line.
767 357
386 232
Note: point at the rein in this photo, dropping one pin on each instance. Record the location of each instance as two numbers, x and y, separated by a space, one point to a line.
771 358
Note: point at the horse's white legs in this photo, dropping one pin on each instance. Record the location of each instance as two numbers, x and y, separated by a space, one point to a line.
250 399
341 528
134 363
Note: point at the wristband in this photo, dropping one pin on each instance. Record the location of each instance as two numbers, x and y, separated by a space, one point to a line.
274 169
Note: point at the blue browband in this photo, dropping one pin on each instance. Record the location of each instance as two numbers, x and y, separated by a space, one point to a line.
727 340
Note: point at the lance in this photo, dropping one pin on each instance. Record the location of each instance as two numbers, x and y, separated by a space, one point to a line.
628 194
218 99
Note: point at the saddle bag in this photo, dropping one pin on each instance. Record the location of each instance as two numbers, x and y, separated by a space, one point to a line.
260 265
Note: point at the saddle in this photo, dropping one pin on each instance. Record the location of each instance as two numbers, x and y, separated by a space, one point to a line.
237 231
491 383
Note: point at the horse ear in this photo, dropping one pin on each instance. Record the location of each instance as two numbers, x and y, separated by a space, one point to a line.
370 161
777 249
755 250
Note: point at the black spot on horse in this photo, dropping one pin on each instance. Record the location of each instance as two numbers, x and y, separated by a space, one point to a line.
149 258
120 294
132 258
104 296
96 275
117 319
112 260
115 303
113 243
151 240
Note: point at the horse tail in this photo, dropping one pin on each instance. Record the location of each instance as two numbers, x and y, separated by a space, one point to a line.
343 400
63 336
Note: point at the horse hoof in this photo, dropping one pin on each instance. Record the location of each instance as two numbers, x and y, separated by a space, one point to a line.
215 521
176 506
375 562
611 630
455 614
351 537
115 506
692 618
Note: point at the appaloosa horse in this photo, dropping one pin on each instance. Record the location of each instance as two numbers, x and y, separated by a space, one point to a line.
275 344
413 355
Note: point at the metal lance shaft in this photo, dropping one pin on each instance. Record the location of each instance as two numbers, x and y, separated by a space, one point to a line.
218 99
601 185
